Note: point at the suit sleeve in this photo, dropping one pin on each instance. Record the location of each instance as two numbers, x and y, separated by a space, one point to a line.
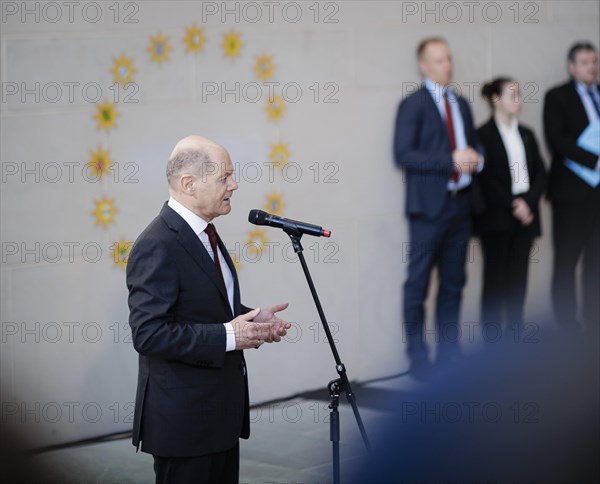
539 178
486 176
474 138
406 143
559 138
152 281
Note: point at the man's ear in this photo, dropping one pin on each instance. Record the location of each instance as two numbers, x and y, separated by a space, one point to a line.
187 184
421 67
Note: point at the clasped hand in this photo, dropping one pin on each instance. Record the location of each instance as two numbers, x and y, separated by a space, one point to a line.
259 326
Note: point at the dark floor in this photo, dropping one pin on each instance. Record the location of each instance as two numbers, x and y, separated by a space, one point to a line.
289 443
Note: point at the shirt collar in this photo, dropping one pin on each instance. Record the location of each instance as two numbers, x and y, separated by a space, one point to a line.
437 90
513 128
198 224
583 89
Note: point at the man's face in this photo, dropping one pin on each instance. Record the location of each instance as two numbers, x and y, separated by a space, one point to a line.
585 67
213 190
436 63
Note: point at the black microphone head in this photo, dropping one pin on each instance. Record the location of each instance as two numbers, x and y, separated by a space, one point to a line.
257 217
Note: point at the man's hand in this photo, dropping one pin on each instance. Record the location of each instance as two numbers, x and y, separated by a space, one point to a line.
522 212
249 334
257 327
465 161
280 326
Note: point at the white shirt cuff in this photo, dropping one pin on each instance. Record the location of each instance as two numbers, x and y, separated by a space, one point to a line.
480 163
230 345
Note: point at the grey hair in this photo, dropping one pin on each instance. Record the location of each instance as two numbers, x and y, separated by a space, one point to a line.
190 161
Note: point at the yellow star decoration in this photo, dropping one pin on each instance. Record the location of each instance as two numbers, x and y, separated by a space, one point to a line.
264 67
256 241
194 39
279 155
105 211
275 107
106 115
121 252
123 70
274 204
232 44
99 163
159 48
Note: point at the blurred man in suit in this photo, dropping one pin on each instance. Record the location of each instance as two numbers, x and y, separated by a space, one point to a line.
435 143
568 110
189 326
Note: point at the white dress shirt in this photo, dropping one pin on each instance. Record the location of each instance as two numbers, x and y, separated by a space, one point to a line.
437 93
198 224
517 160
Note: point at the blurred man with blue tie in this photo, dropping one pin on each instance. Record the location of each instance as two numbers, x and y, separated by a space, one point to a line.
435 144
568 110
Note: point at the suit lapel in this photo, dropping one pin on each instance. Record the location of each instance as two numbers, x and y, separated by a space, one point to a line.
194 247
464 112
236 285
529 159
577 103
462 108
504 165
434 109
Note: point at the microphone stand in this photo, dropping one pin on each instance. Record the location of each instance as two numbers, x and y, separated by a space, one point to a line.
341 384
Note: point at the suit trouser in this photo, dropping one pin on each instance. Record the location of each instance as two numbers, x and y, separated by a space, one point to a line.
220 468
441 242
576 233
506 264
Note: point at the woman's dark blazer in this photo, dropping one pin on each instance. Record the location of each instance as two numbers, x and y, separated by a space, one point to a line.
495 181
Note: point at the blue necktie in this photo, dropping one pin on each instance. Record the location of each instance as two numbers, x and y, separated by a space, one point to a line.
594 101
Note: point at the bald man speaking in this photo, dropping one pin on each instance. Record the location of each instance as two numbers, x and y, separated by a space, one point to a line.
190 328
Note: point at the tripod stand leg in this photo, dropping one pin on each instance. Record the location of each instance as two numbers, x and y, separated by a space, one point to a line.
335 386
334 428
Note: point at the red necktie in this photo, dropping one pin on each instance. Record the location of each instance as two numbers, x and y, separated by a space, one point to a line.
450 126
212 237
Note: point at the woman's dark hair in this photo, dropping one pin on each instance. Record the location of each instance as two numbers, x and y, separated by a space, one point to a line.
494 88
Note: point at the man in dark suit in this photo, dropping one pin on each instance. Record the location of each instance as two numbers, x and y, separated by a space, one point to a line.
435 145
189 326
568 110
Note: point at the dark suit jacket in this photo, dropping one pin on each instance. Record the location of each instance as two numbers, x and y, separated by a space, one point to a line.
564 120
495 180
192 396
422 149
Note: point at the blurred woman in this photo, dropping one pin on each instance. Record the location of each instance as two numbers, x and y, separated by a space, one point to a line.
512 182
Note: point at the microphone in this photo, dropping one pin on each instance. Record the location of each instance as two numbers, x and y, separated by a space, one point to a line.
258 217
